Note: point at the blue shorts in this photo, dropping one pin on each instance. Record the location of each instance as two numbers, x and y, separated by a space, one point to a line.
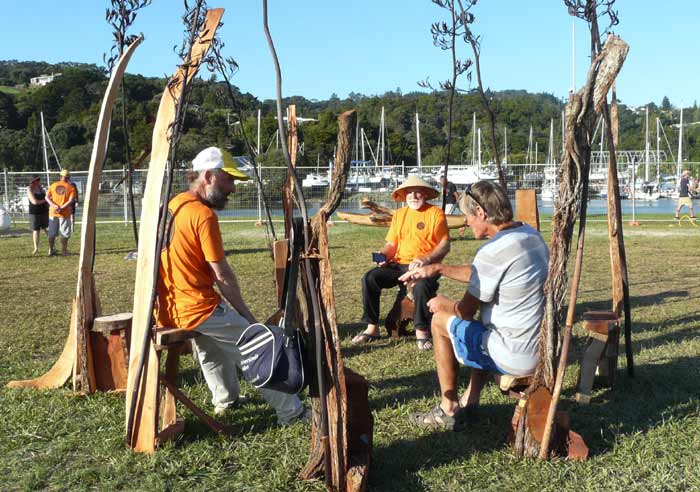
467 343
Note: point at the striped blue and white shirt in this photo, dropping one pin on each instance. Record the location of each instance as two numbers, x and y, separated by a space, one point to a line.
508 276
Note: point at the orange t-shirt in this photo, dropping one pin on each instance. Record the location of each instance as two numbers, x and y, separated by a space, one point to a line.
186 295
60 193
416 232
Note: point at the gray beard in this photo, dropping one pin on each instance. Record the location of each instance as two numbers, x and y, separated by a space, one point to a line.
216 198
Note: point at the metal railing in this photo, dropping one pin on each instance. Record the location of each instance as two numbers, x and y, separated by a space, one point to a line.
245 206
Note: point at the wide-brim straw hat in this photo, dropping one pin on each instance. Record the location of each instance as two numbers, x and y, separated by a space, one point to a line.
399 194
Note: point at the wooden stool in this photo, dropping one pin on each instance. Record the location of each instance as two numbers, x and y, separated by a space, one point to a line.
601 352
174 341
110 338
513 386
400 315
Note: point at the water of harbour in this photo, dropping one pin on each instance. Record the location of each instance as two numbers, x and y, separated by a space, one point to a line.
596 206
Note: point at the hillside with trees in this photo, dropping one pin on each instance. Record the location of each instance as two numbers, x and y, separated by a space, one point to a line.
71 105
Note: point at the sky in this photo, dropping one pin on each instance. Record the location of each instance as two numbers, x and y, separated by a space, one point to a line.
370 46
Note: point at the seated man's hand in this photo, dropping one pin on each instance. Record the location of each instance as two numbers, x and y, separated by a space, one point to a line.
412 276
417 263
440 303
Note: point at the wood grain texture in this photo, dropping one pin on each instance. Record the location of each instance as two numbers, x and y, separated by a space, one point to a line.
145 418
76 357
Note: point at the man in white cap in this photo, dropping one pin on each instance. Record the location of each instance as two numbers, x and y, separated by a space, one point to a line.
192 263
418 236
60 196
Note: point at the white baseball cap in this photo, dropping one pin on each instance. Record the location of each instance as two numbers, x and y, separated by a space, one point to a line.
215 158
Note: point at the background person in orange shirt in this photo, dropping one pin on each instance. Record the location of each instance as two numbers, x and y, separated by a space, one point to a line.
60 196
192 263
417 236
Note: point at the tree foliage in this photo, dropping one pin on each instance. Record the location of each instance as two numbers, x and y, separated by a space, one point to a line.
71 105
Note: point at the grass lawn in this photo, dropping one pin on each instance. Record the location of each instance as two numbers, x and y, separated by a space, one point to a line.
643 435
9 90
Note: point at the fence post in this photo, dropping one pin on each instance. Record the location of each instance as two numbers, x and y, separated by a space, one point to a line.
126 203
7 190
259 188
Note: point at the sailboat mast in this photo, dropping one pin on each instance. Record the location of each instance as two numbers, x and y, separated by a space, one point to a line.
550 150
658 153
573 56
473 139
646 145
259 170
505 145
420 169
479 140
680 148
382 136
43 143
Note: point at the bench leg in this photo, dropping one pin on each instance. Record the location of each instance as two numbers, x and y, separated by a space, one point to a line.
594 350
168 409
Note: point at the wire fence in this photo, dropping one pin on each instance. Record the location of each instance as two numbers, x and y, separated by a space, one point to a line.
375 183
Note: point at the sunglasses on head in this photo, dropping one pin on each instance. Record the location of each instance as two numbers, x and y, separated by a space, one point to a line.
476 200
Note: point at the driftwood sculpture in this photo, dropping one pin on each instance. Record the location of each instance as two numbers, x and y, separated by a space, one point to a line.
77 358
342 423
142 390
381 216
536 429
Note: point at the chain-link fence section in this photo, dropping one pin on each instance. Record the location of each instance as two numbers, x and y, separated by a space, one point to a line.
246 205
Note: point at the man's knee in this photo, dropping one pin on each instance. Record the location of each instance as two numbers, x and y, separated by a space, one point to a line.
438 324
425 288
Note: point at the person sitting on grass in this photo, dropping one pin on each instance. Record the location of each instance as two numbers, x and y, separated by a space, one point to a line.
418 236
506 286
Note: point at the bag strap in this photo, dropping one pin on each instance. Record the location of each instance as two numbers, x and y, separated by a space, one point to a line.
291 275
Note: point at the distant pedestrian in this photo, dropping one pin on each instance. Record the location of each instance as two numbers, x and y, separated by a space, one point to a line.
60 196
451 194
38 210
684 198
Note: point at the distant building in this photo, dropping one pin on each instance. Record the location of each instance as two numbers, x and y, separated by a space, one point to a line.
42 80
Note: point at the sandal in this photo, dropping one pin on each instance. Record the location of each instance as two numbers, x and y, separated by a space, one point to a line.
424 343
364 339
436 418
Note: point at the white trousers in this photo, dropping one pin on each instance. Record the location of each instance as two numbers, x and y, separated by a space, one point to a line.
219 357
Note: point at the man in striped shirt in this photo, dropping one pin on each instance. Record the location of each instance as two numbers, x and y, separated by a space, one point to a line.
506 286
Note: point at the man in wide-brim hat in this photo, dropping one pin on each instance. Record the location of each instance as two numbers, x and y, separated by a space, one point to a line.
418 236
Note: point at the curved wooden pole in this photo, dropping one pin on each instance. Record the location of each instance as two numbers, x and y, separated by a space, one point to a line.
85 304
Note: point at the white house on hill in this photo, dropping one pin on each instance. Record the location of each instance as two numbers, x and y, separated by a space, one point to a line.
42 80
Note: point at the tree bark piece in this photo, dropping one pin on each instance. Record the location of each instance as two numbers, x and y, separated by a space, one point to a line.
581 113
76 356
143 431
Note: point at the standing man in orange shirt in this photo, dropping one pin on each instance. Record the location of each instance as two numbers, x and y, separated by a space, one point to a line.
418 236
192 263
60 196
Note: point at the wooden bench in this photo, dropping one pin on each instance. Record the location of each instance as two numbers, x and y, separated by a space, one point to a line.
174 342
601 352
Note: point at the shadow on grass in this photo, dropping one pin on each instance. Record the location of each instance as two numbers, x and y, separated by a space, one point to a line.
657 394
245 251
655 299
402 461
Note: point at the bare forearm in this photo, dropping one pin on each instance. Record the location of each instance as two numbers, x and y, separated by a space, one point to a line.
232 293
460 273
437 255
228 285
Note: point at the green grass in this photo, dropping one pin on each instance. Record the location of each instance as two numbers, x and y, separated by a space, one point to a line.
9 90
643 435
